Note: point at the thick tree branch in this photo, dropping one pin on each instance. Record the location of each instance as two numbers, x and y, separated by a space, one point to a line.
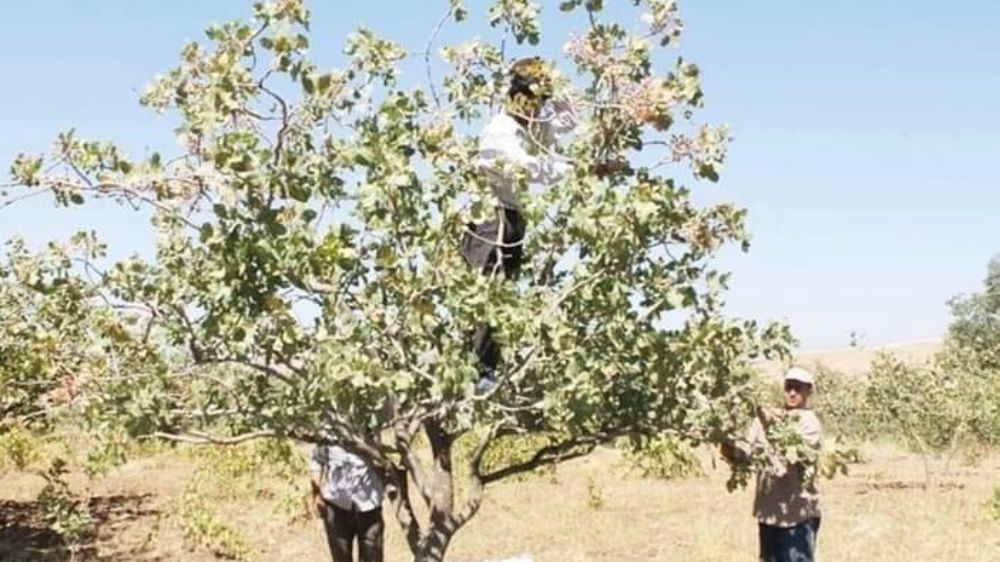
415 468
474 496
558 452
442 488
399 494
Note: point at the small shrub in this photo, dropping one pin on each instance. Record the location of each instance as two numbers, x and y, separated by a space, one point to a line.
202 527
18 447
974 452
931 407
104 456
509 450
66 514
840 401
296 506
595 495
153 535
227 472
270 456
993 505
232 469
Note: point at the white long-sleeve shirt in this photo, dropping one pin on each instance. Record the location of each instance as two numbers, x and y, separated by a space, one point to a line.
504 146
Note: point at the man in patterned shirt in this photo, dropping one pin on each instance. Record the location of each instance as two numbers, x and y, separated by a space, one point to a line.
347 494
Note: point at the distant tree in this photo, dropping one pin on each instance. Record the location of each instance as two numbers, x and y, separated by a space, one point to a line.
972 352
975 325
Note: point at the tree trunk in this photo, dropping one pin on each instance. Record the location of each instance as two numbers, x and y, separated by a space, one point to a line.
434 544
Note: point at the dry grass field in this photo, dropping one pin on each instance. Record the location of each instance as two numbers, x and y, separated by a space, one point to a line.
588 510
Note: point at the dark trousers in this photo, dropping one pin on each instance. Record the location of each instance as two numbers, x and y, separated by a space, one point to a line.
789 544
495 246
343 526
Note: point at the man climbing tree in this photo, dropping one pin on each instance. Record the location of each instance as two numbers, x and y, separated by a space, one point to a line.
517 143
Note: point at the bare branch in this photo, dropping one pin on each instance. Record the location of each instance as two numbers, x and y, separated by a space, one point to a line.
314 286
427 54
199 438
654 309
225 385
130 196
285 117
259 367
22 197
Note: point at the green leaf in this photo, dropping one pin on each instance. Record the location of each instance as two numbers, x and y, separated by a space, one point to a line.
300 192
707 171
206 232
324 83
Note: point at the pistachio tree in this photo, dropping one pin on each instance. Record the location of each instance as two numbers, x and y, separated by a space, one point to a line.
972 353
307 282
975 325
57 333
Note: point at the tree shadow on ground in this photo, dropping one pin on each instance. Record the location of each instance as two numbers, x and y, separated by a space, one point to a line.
25 535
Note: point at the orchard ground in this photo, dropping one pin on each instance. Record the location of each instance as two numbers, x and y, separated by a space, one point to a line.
592 509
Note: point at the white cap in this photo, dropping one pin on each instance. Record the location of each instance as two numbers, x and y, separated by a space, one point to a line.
799 374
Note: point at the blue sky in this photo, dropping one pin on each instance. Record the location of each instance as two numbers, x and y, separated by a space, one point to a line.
865 134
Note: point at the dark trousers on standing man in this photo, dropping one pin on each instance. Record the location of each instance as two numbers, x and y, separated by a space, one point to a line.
344 526
789 544
493 247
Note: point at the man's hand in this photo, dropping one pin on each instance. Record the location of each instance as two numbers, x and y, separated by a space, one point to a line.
728 451
317 504
317 498
391 491
768 417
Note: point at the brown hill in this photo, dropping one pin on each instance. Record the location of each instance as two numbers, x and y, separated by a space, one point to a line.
856 360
